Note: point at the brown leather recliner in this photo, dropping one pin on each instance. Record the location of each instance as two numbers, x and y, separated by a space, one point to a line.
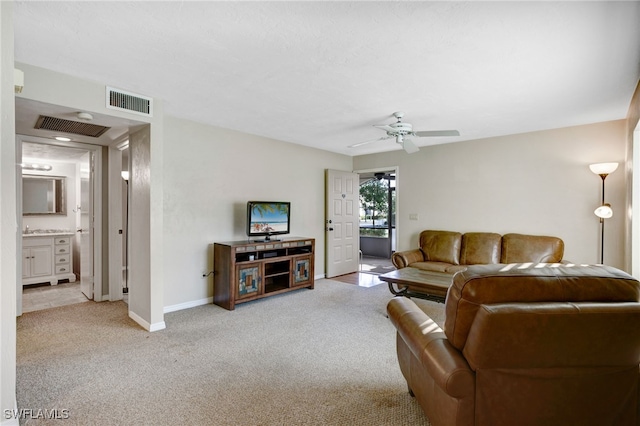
526 345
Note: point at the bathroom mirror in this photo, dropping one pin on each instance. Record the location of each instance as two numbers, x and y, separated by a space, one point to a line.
43 195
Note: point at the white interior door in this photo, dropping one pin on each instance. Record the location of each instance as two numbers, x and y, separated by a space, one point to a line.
342 219
86 225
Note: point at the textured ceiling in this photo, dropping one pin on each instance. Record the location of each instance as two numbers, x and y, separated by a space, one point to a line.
322 74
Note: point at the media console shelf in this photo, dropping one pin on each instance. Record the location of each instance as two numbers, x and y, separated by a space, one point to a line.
250 270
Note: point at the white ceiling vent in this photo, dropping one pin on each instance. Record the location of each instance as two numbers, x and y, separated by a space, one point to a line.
130 102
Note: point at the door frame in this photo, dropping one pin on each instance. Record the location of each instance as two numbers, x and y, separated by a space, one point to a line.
97 194
396 169
85 225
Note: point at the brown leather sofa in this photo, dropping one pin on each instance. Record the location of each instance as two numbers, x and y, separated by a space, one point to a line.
450 252
526 345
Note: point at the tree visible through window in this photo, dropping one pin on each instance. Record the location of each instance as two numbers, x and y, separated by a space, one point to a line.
374 201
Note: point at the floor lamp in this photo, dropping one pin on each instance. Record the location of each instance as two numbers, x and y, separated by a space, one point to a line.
604 211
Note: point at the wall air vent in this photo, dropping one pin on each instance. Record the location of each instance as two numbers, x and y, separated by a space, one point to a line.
130 102
67 126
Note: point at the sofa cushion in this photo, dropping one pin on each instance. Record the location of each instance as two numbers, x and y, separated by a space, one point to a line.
480 248
489 284
431 266
519 248
441 246
438 267
452 269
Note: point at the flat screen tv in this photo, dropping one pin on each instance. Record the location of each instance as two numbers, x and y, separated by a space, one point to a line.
267 218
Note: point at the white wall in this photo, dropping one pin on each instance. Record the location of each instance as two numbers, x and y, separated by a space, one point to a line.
140 227
209 175
8 217
632 230
534 183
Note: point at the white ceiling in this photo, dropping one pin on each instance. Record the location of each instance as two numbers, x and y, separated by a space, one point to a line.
322 74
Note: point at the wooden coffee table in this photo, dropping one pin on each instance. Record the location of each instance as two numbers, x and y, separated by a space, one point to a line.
414 282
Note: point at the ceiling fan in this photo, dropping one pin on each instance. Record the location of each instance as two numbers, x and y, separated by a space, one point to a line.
399 131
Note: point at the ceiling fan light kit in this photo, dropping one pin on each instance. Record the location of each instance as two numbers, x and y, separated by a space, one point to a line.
400 130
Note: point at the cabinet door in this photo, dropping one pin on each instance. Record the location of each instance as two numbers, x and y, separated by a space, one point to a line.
41 261
301 270
26 263
248 279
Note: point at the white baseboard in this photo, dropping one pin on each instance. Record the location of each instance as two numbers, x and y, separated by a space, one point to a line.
146 325
187 305
319 276
158 326
200 302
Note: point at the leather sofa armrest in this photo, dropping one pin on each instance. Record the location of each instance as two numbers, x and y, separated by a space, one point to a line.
449 369
414 326
426 340
402 259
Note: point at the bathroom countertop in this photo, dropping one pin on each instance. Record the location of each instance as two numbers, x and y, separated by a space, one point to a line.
47 233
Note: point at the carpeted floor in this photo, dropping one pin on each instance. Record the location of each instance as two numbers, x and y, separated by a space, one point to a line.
311 357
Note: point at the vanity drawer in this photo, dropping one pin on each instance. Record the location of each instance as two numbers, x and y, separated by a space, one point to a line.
62 258
62 269
62 249
62 240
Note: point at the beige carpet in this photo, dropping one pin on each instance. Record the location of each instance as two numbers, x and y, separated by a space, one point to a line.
312 357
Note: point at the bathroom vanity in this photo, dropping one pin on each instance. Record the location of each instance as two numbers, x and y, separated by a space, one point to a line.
47 257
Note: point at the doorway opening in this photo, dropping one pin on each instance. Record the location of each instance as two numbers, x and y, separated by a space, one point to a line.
57 265
108 186
377 220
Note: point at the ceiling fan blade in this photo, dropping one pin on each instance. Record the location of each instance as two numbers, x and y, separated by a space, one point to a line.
409 146
384 127
433 133
355 145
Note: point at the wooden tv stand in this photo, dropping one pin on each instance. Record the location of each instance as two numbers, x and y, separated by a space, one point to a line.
250 270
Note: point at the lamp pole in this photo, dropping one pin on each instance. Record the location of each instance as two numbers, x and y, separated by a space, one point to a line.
603 176
604 211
